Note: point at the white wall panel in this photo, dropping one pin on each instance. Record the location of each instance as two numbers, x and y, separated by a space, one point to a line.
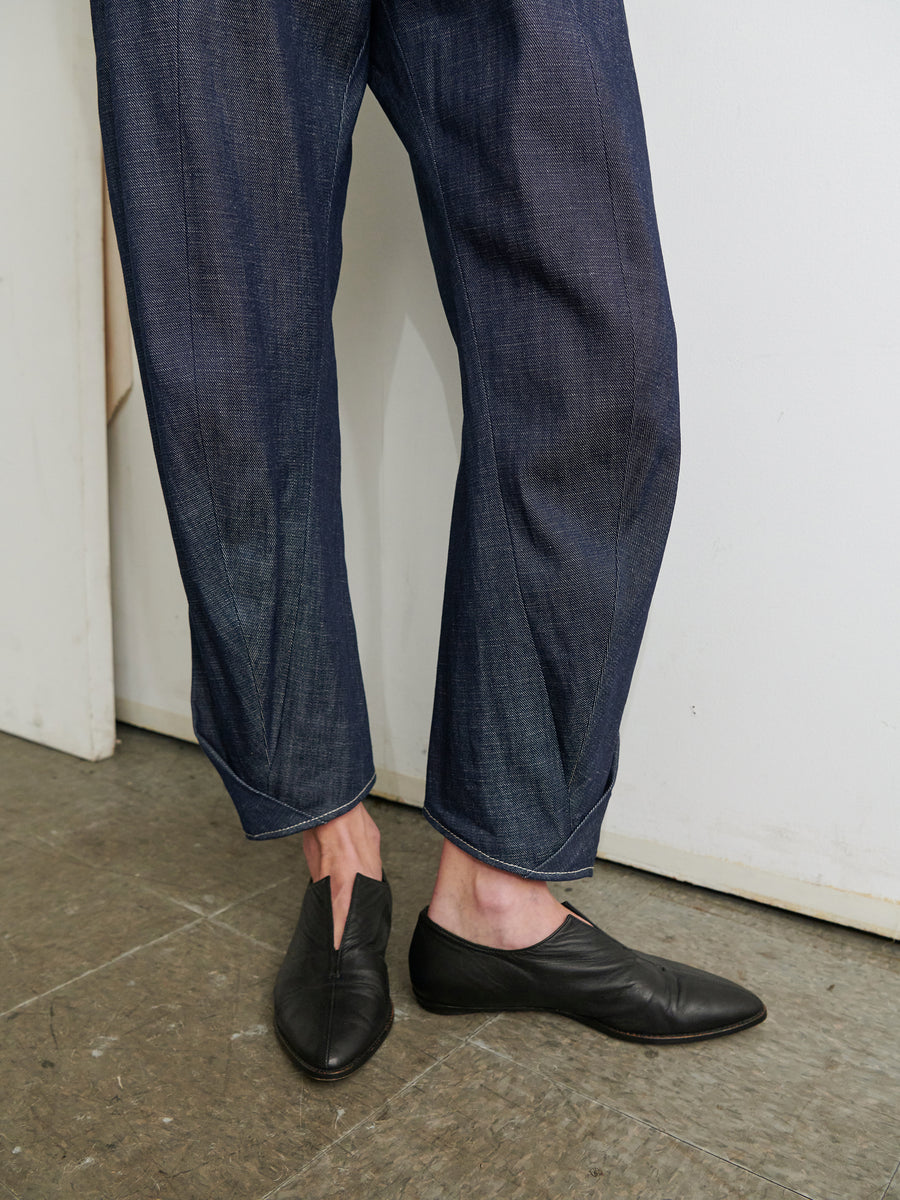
55 625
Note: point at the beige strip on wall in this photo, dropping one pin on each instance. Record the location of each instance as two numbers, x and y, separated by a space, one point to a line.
119 372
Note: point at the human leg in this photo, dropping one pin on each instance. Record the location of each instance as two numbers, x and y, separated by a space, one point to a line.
226 132
247 443
523 124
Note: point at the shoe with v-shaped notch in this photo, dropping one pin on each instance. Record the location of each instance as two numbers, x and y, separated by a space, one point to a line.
333 1006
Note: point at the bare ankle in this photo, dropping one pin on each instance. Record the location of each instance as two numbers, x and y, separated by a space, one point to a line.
344 847
493 907
341 849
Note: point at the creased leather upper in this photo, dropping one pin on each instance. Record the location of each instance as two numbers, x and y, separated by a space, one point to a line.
332 1005
582 972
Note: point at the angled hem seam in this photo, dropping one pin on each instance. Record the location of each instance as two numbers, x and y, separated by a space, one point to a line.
514 868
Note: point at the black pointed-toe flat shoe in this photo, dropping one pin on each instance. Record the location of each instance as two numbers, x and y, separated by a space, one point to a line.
333 1007
579 972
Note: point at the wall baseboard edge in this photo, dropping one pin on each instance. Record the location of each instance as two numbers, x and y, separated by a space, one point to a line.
159 720
872 914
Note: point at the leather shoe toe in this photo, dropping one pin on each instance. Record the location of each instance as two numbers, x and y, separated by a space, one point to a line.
333 1007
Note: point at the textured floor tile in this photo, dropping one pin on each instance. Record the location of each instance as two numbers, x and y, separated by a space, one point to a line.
789 928
160 1077
155 812
59 918
893 1192
478 1125
810 1098
40 786
611 889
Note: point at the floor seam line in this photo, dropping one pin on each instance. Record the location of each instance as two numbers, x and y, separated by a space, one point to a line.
220 924
890 1182
249 896
295 1178
149 886
101 967
648 1124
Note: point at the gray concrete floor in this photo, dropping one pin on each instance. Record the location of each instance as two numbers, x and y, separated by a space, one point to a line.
140 936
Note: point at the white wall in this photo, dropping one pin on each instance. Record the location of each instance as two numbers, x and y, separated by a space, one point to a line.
760 747
56 680
401 415
765 723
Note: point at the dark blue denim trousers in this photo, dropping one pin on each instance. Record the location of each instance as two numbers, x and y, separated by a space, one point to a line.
226 131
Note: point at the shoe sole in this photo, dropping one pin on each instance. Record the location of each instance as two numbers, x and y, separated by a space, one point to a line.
658 1039
322 1073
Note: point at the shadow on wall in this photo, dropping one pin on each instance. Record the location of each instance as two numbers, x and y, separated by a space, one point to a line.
401 422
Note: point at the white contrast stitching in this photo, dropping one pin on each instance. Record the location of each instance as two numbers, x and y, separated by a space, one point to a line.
515 866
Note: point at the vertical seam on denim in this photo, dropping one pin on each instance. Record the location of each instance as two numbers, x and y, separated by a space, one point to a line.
478 360
612 204
315 414
187 269
137 327
603 801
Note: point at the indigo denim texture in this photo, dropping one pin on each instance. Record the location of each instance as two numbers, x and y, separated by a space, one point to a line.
226 131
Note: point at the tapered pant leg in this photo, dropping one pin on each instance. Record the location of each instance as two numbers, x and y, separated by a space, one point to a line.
226 132
523 124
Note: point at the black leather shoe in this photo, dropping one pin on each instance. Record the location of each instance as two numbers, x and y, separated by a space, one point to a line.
582 973
333 1007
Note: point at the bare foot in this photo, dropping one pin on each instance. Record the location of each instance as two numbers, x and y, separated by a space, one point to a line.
492 907
342 848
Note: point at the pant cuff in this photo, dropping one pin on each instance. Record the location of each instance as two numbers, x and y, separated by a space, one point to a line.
573 859
263 816
539 872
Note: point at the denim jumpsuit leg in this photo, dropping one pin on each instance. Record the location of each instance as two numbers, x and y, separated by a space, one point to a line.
226 131
523 123
226 128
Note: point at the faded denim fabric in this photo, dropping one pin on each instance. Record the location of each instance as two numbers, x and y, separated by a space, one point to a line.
226 130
